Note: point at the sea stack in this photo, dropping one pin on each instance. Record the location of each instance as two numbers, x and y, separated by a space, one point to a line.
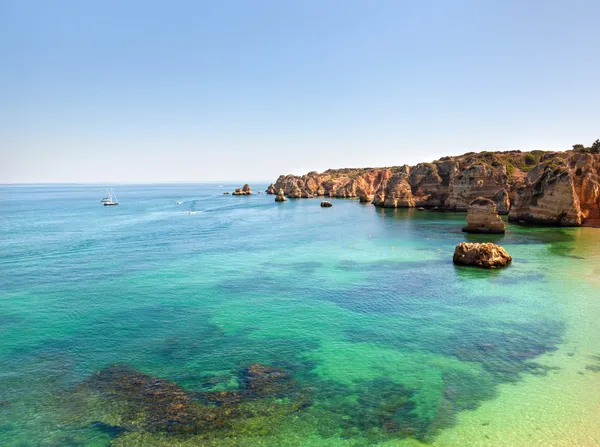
243 191
271 189
326 204
487 255
280 196
482 217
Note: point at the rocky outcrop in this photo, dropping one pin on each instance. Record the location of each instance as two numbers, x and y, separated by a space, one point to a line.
586 180
521 184
271 189
395 192
243 191
488 255
549 196
280 197
344 183
326 204
365 198
502 201
482 217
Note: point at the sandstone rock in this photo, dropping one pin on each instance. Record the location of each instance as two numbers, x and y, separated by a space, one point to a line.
243 191
326 204
548 197
364 197
280 197
502 201
521 184
483 218
485 255
295 193
395 192
271 189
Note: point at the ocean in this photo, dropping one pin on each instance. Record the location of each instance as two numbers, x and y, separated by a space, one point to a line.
236 320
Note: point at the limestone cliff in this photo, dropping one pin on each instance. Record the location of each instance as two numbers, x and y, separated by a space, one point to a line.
561 188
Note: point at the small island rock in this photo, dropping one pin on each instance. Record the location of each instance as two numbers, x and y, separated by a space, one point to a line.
487 255
271 189
326 204
243 191
482 217
280 196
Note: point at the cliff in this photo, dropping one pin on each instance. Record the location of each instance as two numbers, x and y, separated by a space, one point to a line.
560 188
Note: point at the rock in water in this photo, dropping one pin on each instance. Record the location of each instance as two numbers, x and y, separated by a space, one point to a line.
326 204
243 191
482 217
280 196
271 189
364 197
487 255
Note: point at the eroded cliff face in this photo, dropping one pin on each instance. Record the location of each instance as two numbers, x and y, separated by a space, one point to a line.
560 188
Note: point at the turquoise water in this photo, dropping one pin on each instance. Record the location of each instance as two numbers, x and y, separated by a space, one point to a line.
379 337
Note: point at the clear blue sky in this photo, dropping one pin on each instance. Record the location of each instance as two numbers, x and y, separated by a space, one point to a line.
118 90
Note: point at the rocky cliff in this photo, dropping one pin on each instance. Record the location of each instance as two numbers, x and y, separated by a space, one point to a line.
560 188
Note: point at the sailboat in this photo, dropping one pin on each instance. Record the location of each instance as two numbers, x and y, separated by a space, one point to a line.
111 199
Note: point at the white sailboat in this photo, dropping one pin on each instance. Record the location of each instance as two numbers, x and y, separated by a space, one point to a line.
111 199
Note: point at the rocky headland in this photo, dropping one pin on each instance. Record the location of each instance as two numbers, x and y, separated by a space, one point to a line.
547 187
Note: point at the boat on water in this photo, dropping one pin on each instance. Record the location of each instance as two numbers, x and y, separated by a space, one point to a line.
111 199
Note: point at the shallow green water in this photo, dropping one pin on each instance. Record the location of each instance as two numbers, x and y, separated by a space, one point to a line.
383 338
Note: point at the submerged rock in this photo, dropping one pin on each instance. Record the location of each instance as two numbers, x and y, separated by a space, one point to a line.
280 197
326 204
485 255
130 404
483 218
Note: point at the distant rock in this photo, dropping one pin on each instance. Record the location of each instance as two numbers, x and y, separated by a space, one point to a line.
326 204
271 189
243 191
421 208
226 192
487 255
483 218
280 196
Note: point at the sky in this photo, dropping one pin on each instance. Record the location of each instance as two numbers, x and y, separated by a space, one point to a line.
200 91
